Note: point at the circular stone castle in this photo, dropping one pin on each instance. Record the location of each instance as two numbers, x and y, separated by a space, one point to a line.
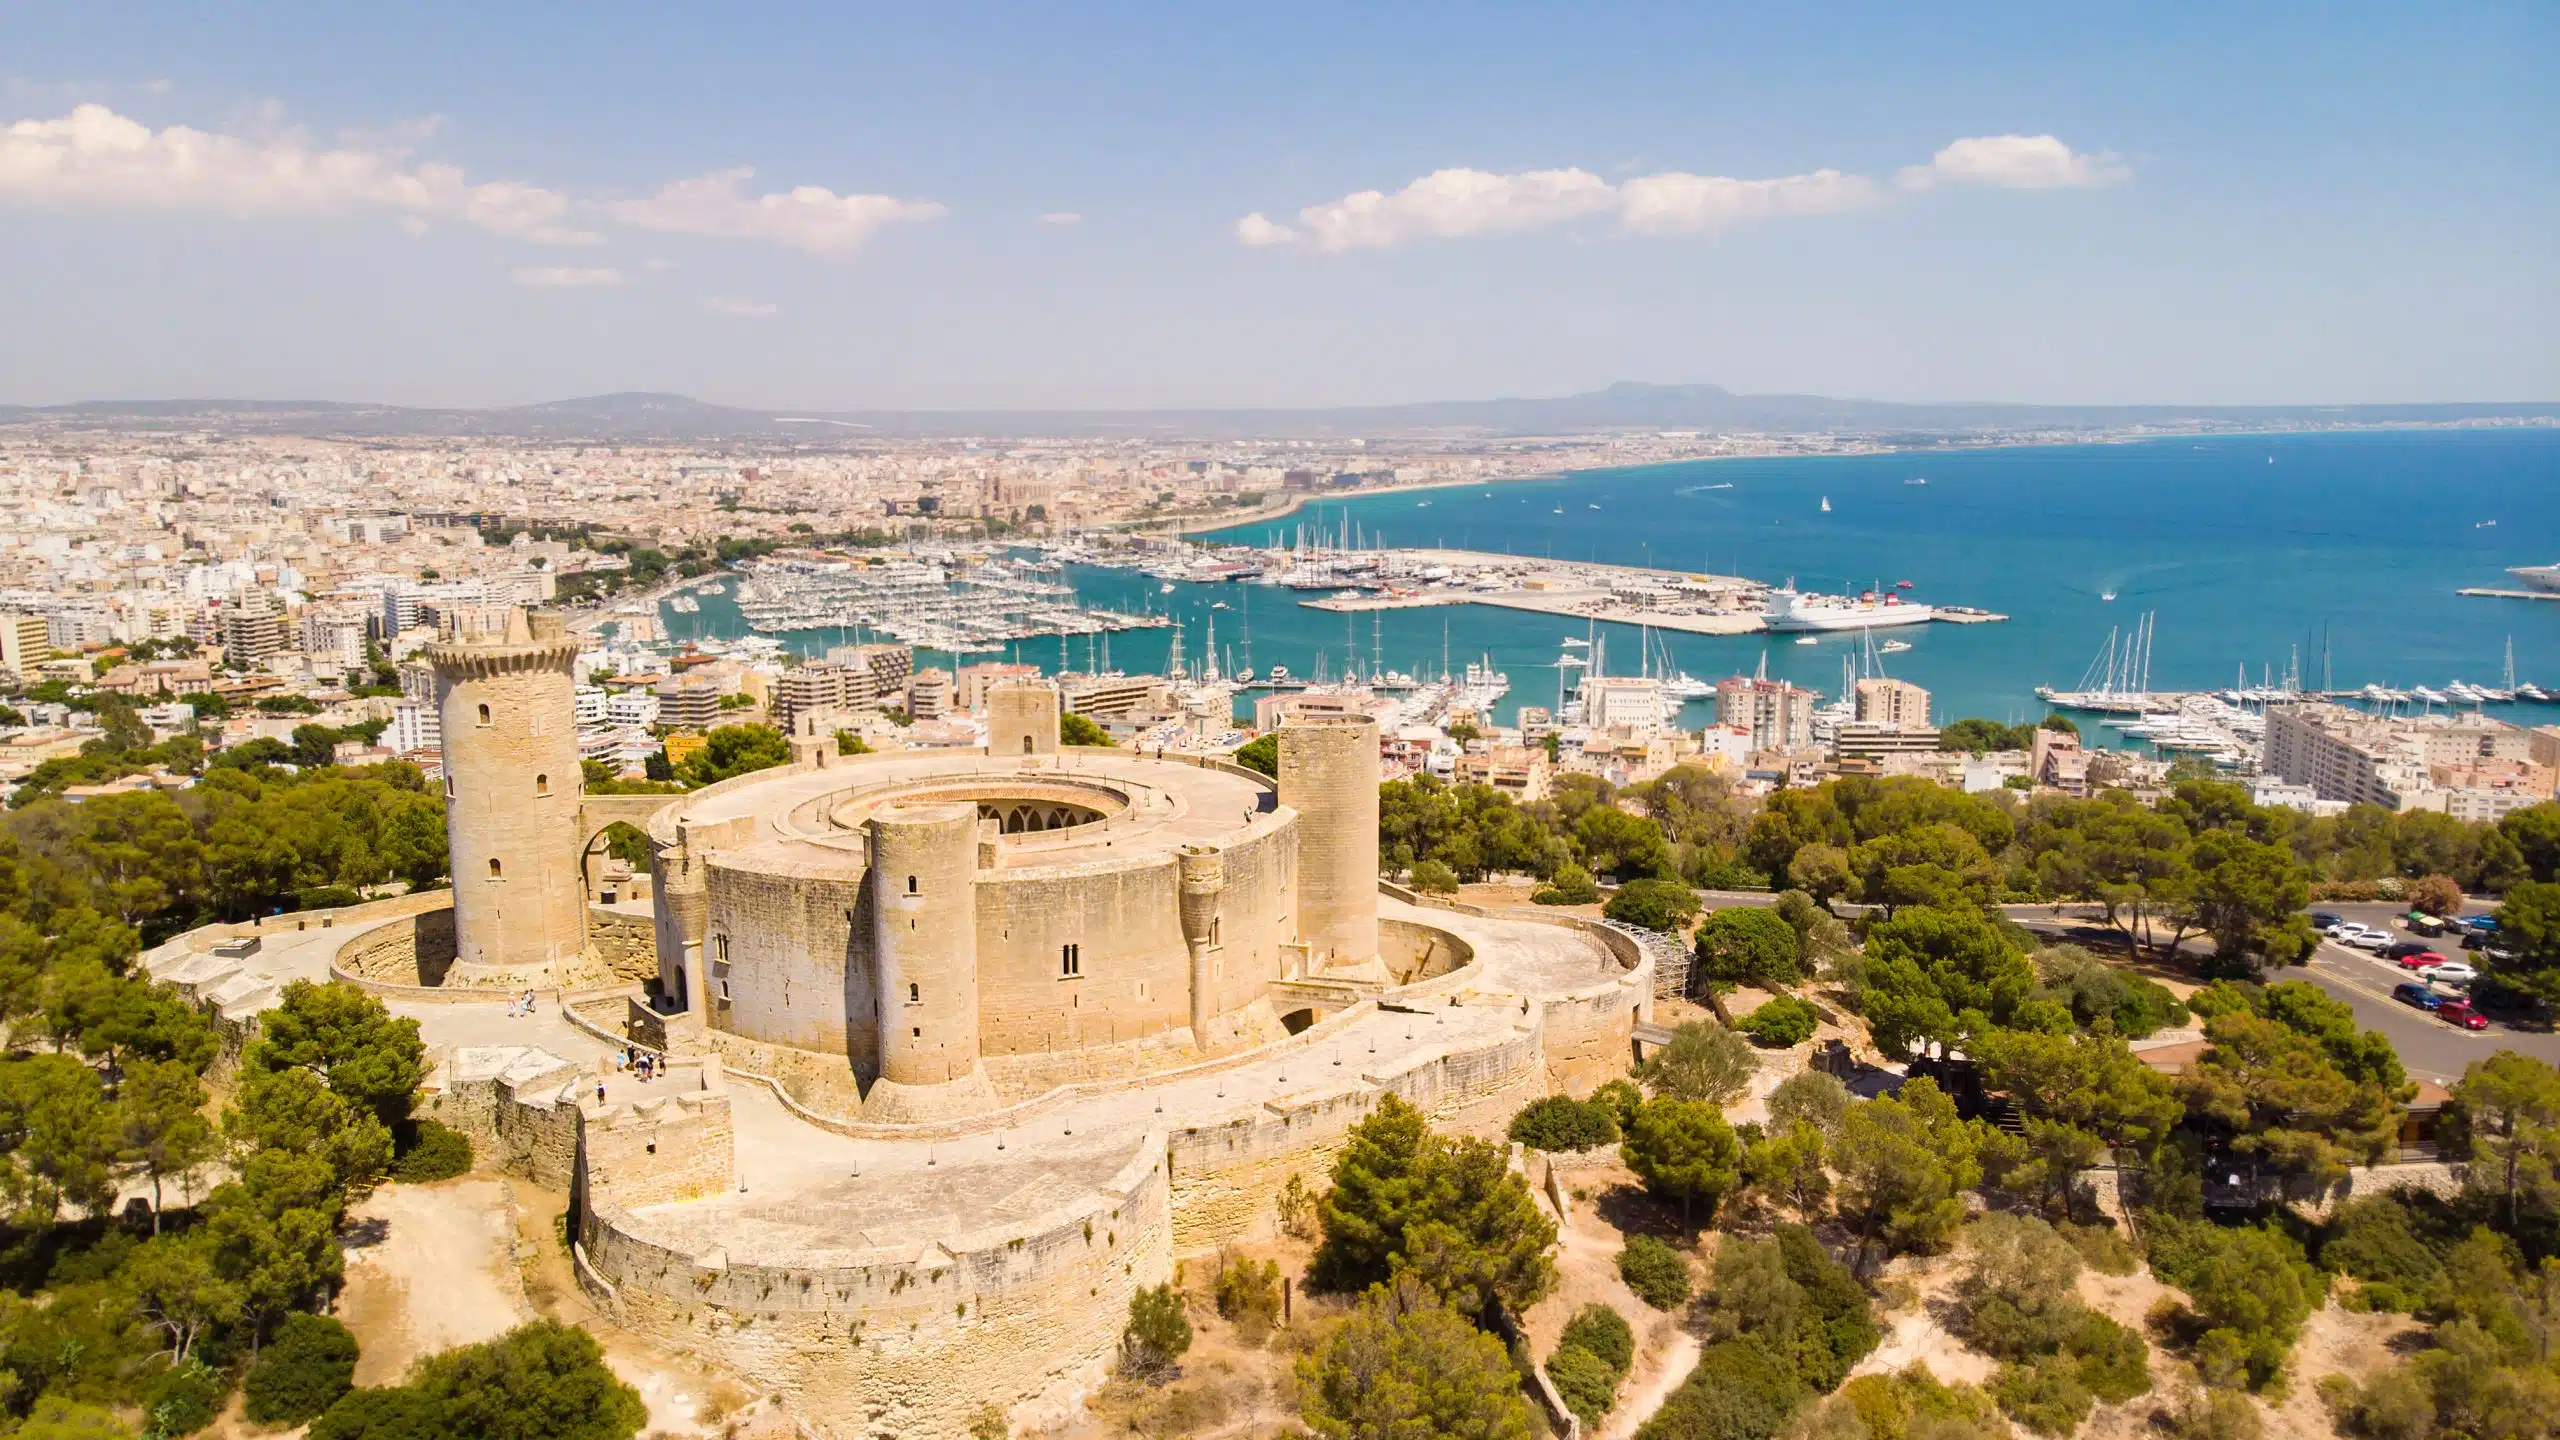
962 1047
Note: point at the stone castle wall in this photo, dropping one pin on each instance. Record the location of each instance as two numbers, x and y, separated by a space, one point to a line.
625 946
906 1344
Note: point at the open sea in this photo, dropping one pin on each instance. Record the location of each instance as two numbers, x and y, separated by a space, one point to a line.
2337 552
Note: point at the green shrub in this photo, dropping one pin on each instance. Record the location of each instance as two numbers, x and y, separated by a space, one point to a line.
2043 1394
1739 1391
302 1372
2112 1360
1571 885
1248 1293
2394 1246
1157 1334
396 1413
1652 904
1657 1273
325 897
2252 1290
436 1152
1782 1022
182 1401
2102 1248
1433 878
1787 1295
1622 1097
1588 1383
1559 1122
1604 1332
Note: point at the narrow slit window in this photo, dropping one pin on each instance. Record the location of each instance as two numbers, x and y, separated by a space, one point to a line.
484 714
915 994
541 784
1070 960
496 872
911 884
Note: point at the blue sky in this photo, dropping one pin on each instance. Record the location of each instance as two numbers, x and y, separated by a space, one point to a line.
474 204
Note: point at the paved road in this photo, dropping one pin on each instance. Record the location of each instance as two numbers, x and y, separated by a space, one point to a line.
2428 1047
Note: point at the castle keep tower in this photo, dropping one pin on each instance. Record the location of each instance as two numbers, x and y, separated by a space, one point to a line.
1329 775
1022 718
507 696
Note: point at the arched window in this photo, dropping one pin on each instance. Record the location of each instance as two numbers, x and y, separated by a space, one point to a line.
541 784
1026 744
484 714
911 884
496 872
915 994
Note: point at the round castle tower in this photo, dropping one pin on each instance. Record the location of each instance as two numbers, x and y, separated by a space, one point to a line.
924 877
507 697
1329 775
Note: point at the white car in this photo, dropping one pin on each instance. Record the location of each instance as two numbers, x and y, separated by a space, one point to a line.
2451 972
2368 939
2345 930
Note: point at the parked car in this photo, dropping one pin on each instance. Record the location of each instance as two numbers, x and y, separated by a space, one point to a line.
2408 947
2480 922
2346 931
2419 959
2474 939
2459 1012
2376 941
2452 972
2412 993
2327 919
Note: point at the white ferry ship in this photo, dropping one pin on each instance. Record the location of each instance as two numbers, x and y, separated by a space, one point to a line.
1790 609
2545 578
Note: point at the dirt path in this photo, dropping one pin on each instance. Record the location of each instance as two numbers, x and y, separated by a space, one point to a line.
1669 1364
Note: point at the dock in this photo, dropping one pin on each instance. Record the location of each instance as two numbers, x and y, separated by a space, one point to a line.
2494 593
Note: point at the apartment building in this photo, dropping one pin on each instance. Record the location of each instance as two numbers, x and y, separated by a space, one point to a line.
2469 766
24 643
1778 715
1894 704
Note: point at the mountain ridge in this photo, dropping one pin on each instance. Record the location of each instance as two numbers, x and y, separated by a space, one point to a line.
1624 406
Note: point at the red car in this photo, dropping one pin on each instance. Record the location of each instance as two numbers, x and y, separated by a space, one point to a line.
2460 1013
2420 960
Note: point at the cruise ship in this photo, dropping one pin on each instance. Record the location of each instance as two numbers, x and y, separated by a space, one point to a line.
1790 609
2538 577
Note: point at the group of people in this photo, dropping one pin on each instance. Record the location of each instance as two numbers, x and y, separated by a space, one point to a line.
521 1005
643 1064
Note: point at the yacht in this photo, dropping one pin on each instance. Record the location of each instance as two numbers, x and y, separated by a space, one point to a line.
2432 697
1806 640
2545 578
1894 647
2527 690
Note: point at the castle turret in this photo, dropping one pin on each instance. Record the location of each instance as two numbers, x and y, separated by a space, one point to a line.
507 696
1329 775
1201 872
924 873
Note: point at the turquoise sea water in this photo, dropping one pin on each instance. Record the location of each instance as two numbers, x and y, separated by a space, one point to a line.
2246 547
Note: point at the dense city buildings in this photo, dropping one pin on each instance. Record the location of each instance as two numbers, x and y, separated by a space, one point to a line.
2470 767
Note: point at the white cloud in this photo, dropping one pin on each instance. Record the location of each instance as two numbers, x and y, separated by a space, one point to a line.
2013 162
721 305
1453 203
1060 219
550 277
807 218
1448 204
1674 203
657 265
1257 230
95 159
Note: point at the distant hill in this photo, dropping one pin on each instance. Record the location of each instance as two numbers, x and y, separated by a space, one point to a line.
1629 405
